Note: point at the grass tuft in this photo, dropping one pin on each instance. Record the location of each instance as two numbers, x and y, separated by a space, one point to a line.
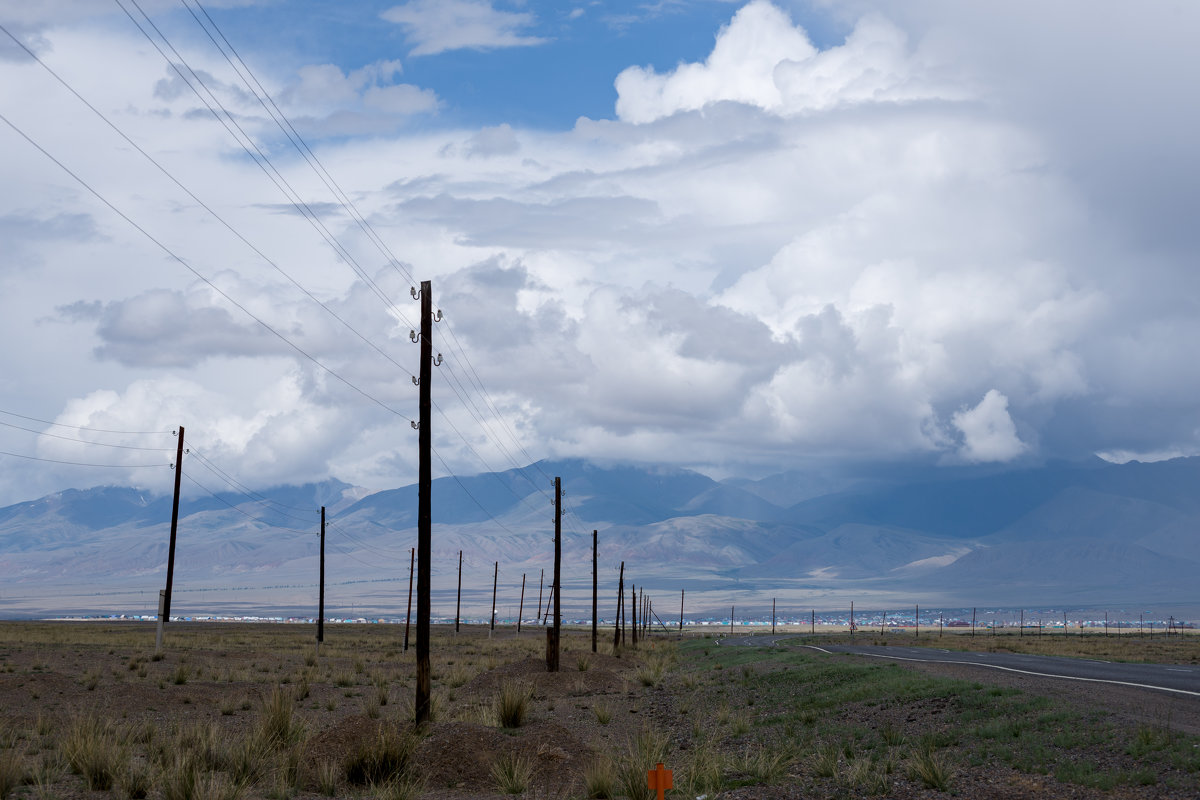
512 773
12 772
599 779
383 759
92 750
927 766
647 749
511 705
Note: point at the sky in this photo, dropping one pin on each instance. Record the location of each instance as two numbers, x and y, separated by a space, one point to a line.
737 237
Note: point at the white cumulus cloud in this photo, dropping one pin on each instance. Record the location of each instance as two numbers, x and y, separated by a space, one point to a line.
761 59
988 431
436 26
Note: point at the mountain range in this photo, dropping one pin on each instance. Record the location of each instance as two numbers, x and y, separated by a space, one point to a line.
1091 534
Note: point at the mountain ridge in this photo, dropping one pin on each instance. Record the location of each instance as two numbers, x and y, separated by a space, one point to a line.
962 536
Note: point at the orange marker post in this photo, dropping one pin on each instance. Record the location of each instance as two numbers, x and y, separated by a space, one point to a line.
660 780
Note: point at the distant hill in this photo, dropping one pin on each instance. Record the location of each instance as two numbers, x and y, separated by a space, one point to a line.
1085 534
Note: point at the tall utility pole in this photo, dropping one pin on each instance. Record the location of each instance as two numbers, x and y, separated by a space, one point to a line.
620 610
495 580
458 602
164 604
321 595
681 591
595 586
412 560
552 634
521 607
541 580
424 505
633 623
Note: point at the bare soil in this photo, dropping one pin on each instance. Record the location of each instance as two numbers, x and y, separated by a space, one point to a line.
52 675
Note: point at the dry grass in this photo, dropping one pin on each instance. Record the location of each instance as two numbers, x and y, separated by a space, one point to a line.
511 705
382 760
255 715
512 773
12 771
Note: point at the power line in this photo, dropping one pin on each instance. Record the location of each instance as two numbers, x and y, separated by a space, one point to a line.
246 142
240 511
200 202
82 441
250 495
196 272
285 125
80 463
77 427
488 398
310 157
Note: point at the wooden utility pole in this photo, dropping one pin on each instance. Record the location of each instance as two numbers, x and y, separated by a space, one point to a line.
595 588
521 607
164 603
422 711
495 580
541 580
552 634
772 616
633 624
321 594
458 601
681 591
412 556
620 615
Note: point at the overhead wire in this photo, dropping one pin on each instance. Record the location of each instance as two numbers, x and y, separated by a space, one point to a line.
198 274
250 495
199 201
83 441
267 102
247 143
285 125
242 511
246 74
464 396
488 398
79 427
80 463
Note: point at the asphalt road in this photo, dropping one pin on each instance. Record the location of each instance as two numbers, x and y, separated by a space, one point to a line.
1175 679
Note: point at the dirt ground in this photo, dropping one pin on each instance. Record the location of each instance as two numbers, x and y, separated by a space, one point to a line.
217 681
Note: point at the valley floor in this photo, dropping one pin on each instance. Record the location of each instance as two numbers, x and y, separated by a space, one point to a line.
253 711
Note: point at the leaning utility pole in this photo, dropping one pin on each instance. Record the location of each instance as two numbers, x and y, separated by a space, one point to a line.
412 559
164 601
633 623
421 707
552 634
620 610
681 591
541 580
321 595
521 607
495 581
458 602
595 586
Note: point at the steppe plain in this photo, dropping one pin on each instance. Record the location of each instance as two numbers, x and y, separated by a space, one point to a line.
254 711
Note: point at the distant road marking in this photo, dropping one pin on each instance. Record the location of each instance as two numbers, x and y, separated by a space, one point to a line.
1030 672
814 647
1174 669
